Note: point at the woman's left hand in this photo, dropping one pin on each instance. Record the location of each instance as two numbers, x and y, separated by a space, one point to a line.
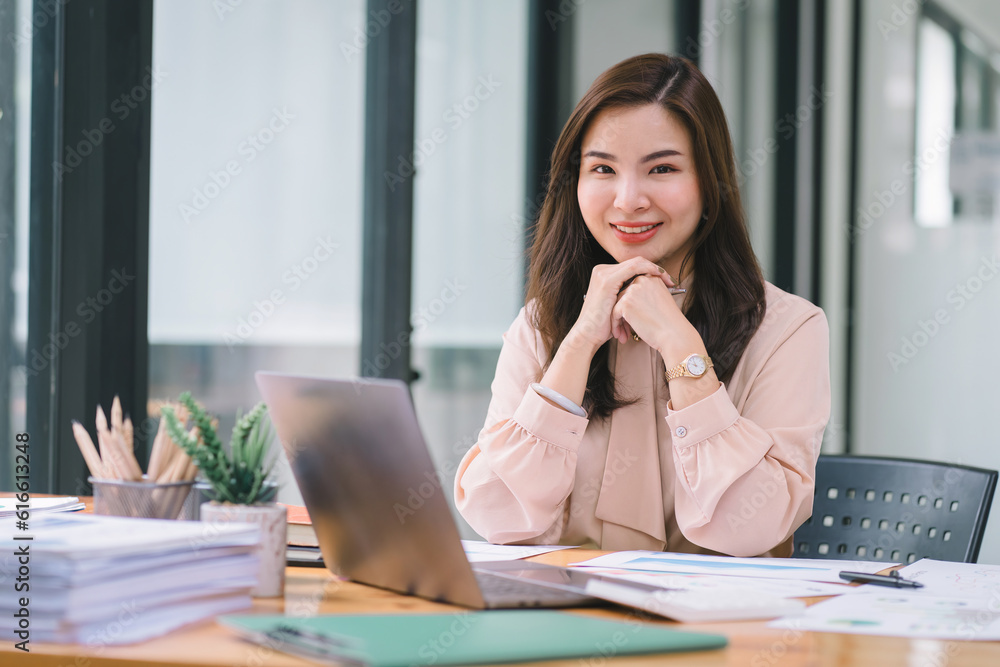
647 308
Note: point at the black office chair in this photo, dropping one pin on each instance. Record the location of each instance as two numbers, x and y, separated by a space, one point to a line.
896 510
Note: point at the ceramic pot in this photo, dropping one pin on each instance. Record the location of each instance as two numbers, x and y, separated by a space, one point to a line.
272 520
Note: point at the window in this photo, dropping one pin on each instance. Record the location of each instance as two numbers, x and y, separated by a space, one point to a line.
957 74
255 199
468 218
933 203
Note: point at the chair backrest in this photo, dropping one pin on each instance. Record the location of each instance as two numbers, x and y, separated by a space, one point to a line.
896 510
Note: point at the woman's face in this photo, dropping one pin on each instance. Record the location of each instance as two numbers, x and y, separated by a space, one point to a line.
638 189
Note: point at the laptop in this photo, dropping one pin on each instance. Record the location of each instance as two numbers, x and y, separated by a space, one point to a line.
377 502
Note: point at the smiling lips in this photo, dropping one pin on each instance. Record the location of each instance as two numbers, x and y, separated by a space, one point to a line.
635 232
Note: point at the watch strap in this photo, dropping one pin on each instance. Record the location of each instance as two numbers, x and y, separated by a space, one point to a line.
681 369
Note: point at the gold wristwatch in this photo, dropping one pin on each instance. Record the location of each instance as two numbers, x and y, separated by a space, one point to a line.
694 366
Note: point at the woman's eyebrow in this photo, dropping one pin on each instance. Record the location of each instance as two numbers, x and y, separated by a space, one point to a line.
670 152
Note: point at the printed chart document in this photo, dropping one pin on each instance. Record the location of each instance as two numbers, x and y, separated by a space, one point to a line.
958 601
797 569
478 552
946 579
900 614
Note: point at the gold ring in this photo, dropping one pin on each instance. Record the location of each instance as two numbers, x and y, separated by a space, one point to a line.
635 336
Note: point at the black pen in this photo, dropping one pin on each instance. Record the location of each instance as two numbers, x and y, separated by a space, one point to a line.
893 579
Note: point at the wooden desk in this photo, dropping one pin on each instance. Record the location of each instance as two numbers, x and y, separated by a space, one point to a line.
312 591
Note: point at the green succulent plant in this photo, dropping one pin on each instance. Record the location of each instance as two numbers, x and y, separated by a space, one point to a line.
239 475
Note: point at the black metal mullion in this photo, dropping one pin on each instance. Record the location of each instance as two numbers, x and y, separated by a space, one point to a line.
44 193
90 225
390 89
819 70
785 170
853 243
687 22
549 98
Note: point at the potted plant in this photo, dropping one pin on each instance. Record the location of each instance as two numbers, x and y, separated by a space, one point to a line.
240 489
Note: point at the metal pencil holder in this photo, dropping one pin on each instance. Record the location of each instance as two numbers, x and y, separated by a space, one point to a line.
143 500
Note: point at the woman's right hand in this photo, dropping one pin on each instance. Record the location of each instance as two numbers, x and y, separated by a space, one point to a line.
593 327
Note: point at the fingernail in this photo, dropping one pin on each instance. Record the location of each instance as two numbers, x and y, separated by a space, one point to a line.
662 270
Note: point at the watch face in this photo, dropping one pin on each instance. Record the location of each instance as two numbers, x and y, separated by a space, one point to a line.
696 366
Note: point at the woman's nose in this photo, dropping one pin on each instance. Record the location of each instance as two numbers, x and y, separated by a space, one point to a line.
630 196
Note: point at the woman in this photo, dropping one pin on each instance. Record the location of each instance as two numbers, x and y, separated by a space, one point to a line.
655 392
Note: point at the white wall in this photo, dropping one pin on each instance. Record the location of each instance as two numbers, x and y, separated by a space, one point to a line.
939 401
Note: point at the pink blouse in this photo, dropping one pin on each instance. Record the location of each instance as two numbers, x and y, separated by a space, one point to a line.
732 473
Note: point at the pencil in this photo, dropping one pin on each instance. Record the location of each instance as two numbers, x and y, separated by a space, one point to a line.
156 455
107 447
176 471
129 465
129 432
116 414
108 456
192 470
88 450
170 455
102 428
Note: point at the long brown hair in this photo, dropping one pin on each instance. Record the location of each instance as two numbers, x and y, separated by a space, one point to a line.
725 303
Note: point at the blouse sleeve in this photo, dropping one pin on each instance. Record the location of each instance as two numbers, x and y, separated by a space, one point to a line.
512 485
745 479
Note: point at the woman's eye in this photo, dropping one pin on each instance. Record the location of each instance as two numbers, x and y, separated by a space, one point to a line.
662 169
603 169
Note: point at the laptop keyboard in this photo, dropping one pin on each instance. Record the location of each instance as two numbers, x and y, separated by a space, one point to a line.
507 592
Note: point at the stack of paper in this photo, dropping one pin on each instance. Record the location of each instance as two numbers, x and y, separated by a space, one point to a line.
8 506
112 580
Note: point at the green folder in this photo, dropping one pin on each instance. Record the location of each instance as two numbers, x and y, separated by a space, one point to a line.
475 637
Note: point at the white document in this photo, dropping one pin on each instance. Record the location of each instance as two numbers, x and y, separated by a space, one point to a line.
137 624
8 506
478 552
900 614
709 583
692 606
799 569
969 581
86 536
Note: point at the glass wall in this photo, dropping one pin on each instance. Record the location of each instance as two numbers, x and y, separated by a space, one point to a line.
927 304
255 199
468 224
15 141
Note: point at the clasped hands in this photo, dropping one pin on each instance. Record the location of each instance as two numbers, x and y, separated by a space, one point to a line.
644 307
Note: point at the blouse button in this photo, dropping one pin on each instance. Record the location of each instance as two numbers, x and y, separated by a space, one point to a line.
681 431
